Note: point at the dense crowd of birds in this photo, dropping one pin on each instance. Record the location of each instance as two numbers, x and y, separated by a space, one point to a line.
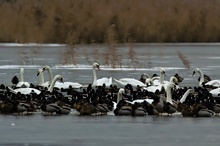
126 97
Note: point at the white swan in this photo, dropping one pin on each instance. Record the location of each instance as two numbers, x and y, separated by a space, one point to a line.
100 82
152 87
168 106
133 82
24 90
161 78
22 83
215 92
183 98
41 77
214 83
64 85
159 87
55 79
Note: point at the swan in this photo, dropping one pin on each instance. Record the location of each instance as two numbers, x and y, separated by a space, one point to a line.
143 78
214 83
55 79
64 85
31 90
133 82
24 90
161 78
180 106
22 83
153 88
41 77
100 82
168 106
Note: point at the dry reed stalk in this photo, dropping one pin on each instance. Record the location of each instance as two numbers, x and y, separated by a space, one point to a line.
184 60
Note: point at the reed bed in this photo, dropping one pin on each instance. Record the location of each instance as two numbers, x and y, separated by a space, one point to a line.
88 21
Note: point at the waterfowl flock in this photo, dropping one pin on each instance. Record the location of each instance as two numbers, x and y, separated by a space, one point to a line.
111 96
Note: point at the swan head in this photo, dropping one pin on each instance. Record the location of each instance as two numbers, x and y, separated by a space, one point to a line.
179 78
59 78
196 70
39 71
174 80
96 65
145 76
121 91
22 70
162 71
46 67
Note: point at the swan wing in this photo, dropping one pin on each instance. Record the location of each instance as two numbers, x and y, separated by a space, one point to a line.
106 81
154 88
133 82
21 84
215 83
215 92
74 85
142 100
120 82
27 90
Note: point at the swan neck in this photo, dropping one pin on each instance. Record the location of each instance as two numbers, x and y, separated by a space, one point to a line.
52 84
50 76
119 97
94 77
41 78
201 77
169 96
185 95
161 78
22 75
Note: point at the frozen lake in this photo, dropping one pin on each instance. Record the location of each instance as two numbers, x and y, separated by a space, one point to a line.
39 130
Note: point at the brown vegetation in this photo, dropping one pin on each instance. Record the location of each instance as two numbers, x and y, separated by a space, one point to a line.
88 21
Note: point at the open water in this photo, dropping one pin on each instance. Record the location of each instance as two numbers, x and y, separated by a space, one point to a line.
109 130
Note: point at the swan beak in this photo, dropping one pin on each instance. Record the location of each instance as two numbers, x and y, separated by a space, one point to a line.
98 67
38 73
61 80
194 73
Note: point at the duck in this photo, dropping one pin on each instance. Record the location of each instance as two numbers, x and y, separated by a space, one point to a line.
22 83
49 108
128 108
99 82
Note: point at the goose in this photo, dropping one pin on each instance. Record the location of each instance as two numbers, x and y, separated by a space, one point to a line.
100 82
203 79
64 85
22 83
